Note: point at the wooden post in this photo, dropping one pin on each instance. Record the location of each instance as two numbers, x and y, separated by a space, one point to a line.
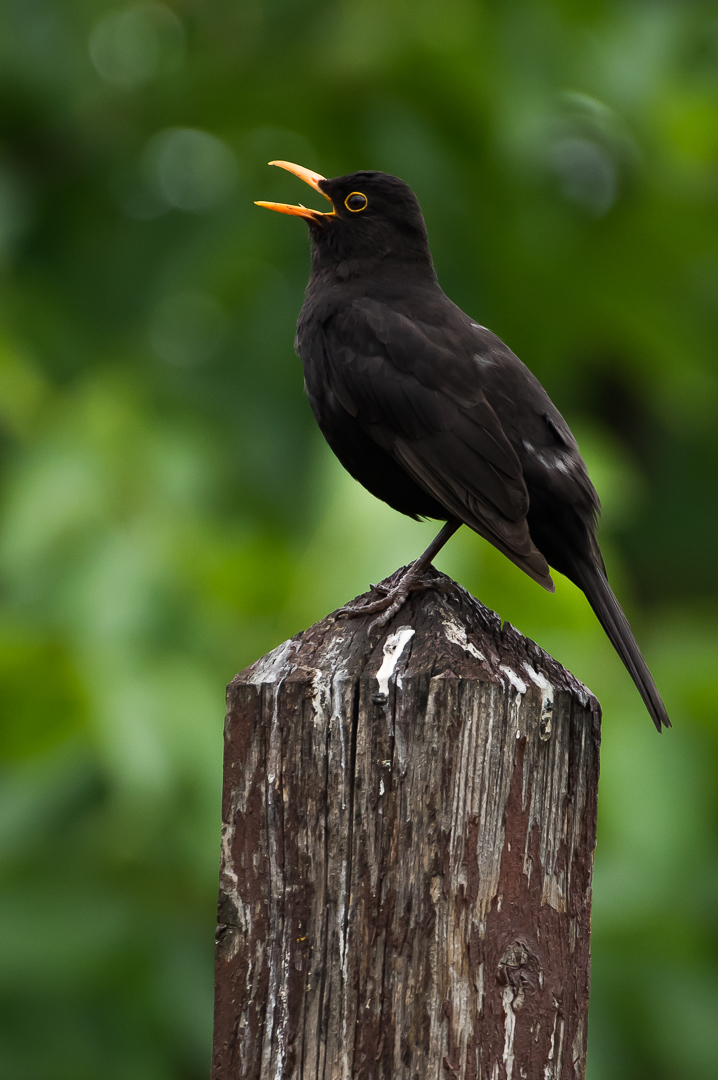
408 830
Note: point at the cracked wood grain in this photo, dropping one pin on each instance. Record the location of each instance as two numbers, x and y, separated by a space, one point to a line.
408 830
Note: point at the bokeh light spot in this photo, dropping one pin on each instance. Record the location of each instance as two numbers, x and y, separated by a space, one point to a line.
189 169
131 46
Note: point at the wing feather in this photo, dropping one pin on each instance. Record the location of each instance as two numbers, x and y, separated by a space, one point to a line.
423 403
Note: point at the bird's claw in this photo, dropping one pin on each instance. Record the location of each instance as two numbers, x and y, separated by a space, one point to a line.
393 599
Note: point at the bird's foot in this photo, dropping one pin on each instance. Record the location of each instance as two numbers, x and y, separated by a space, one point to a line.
393 599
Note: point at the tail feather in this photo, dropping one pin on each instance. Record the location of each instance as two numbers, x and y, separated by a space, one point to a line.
610 615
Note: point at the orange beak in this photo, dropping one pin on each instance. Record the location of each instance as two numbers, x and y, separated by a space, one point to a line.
309 177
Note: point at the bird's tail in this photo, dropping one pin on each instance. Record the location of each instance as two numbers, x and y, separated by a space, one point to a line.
608 611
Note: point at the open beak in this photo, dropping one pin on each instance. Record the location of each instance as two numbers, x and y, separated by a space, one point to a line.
309 177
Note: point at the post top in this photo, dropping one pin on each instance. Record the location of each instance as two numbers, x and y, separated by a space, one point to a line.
447 633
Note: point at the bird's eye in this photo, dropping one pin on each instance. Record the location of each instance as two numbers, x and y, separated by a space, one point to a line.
355 202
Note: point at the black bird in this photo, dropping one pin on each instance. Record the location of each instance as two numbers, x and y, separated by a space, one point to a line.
432 413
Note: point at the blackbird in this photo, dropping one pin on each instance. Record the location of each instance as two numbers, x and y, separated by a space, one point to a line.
432 413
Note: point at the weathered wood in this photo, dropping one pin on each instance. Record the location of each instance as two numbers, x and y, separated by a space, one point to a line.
408 832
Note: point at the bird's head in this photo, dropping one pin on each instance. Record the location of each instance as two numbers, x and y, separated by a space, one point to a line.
374 216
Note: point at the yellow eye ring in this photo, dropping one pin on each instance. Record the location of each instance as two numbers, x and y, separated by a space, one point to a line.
356 195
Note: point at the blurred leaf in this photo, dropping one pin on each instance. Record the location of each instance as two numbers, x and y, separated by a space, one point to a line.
57 697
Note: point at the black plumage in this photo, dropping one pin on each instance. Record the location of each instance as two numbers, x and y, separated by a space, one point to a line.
432 413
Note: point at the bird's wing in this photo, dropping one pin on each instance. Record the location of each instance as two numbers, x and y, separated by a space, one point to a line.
419 397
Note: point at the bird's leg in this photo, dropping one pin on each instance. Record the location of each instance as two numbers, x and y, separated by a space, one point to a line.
412 581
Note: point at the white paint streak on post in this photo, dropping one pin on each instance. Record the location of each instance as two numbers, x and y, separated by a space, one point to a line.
579 1050
275 920
510 1029
559 1053
546 689
393 648
518 684
274 665
456 633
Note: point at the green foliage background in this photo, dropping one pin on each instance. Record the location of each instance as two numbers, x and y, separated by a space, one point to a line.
169 512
